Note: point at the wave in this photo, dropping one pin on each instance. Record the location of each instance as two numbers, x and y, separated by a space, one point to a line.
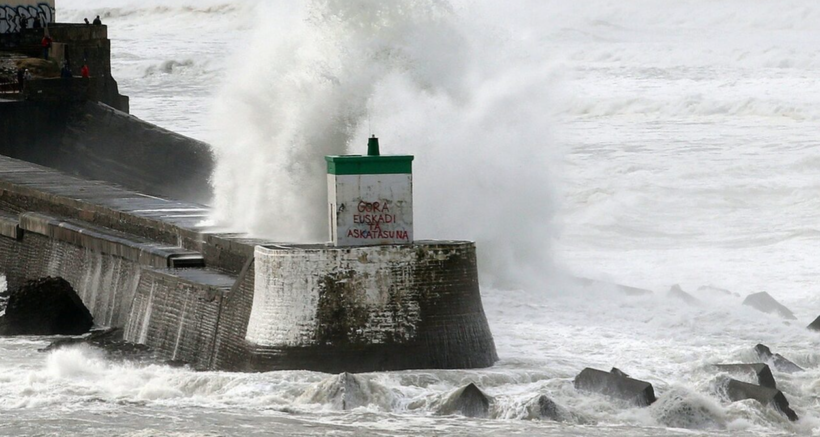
694 105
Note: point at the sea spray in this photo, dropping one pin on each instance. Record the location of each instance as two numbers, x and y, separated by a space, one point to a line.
433 79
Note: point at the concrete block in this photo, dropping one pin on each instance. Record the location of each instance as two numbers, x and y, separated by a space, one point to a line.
467 401
676 292
739 391
545 408
761 371
343 392
631 390
10 227
815 325
764 302
780 363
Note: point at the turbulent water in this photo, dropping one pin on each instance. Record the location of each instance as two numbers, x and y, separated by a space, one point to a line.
645 143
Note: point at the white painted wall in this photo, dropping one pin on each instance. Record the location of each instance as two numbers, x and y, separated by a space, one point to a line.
370 210
288 285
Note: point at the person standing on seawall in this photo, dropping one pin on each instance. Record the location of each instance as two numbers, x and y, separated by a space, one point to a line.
46 46
21 79
97 21
86 21
85 72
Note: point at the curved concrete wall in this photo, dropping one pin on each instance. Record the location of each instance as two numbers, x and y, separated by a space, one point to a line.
369 308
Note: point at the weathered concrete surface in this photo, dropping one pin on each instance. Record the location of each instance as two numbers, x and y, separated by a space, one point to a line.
409 306
779 362
761 372
94 141
766 303
45 307
739 391
468 401
639 393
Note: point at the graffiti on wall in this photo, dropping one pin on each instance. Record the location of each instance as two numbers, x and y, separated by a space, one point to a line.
374 216
13 17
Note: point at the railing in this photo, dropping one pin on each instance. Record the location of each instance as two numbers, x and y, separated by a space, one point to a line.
9 87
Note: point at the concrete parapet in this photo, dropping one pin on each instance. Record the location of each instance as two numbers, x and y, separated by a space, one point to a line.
10 226
109 242
77 32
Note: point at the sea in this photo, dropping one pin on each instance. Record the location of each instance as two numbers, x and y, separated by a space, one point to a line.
645 143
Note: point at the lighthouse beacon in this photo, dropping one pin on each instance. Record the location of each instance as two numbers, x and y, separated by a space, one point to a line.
370 198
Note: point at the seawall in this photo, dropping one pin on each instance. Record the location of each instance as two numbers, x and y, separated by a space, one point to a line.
222 301
92 140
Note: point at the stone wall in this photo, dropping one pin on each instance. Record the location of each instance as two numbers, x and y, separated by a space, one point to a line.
176 316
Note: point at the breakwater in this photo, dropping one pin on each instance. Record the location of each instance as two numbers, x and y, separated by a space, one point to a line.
222 301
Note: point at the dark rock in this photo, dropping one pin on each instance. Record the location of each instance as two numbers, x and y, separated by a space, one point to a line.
815 325
619 372
637 392
738 391
766 303
467 401
47 306
677 293
780 363
761 371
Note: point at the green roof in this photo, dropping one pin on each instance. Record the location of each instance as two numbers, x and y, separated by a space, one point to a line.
358 164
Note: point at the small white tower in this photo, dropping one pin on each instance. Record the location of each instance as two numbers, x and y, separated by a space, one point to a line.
370 198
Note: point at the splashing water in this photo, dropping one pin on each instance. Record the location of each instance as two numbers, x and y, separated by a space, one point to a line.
689 137
431 82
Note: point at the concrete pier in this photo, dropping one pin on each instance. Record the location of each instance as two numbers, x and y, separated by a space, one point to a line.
223 301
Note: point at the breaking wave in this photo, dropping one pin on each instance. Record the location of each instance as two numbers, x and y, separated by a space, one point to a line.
431 80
